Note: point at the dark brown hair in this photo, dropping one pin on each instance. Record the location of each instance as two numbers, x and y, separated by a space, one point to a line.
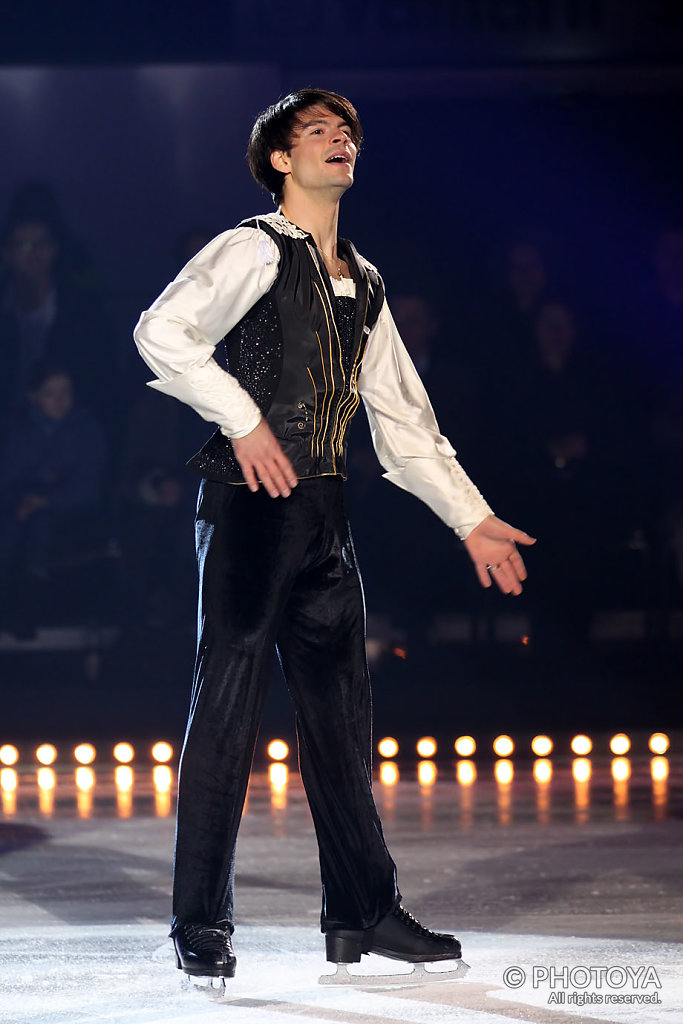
274 128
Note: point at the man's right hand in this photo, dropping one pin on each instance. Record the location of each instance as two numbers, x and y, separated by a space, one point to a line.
262 460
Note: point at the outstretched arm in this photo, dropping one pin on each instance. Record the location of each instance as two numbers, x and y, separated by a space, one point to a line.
419 459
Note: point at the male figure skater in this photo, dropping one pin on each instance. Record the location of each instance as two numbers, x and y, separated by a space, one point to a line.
307 331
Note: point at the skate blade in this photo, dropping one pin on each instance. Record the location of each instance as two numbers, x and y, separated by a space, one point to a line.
419 975
212 988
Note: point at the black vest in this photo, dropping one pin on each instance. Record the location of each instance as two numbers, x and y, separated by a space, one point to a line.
290 354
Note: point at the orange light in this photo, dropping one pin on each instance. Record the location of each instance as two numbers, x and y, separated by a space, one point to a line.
388 773
466 772
46 779
541 745
620 743
426 773
388 747
123 776
8 754
8 785
426 747
46 790
46 754
659 768
85 779
503 746
162 751
277 750
504 771
465 746
278 774
621 768
124 753
84 753
581 769
8 780
581 745
658 743
401 652
543 770
526 641
163 778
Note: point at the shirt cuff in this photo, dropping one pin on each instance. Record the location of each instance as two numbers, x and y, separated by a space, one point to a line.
216 396
445 487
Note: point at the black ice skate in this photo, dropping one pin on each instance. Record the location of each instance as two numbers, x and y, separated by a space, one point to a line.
398 936
205 955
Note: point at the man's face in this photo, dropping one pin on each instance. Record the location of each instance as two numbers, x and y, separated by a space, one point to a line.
54 397
30 251
322 154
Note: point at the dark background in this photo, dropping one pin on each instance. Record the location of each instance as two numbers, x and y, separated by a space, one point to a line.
486 124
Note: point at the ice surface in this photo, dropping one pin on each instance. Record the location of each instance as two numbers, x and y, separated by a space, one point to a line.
516 871
126 974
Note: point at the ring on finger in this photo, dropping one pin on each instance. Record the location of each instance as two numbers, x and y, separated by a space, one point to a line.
492 568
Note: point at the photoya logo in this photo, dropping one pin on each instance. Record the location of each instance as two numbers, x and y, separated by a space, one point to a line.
596 977
614 984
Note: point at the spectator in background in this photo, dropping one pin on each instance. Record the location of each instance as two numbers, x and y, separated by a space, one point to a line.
661 370
568 443
521 285
666 299
51 472
441 358
158 501
502 346
526 277
37 201
45 315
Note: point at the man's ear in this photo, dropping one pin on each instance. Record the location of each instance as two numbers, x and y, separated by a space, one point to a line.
280 161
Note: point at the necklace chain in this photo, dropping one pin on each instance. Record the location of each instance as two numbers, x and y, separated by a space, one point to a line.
340 274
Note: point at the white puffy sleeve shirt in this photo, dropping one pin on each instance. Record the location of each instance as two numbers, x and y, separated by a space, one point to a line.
178 334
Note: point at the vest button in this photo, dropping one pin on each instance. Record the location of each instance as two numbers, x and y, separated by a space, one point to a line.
301 405
300 425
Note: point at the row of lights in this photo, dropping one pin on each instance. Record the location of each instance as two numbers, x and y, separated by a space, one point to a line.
85 753
426 747
466 770
503 746
466 773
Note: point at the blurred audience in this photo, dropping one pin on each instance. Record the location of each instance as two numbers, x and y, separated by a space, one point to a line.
46 314
404 575
52 466
660 395
158 495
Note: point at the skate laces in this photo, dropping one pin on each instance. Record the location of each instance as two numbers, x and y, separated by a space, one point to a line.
203 937
405 917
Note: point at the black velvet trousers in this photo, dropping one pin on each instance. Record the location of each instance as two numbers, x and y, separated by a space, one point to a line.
280 571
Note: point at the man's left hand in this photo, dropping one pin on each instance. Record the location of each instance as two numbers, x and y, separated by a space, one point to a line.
492 547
